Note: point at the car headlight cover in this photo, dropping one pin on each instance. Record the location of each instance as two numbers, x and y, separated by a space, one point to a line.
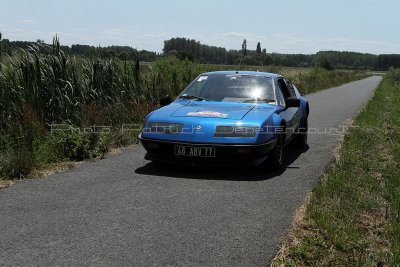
165 128
236 131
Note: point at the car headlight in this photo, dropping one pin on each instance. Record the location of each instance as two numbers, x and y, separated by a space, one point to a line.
165 128
236 131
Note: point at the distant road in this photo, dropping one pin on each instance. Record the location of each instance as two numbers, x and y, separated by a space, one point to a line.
125 211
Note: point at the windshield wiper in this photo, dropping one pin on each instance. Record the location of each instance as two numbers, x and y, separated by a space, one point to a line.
194 97
266 100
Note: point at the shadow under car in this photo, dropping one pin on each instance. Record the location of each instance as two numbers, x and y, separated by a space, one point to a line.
232 173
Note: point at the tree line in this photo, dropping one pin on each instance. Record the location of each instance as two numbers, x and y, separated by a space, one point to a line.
118 52
195 51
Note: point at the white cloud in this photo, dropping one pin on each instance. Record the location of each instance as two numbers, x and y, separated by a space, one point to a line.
117 32
17 31
78 30
27 21
229 35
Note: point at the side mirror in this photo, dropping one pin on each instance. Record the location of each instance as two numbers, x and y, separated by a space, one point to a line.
292 102
165 101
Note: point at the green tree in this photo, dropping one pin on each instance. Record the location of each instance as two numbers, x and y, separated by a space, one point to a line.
123 56
258 50
244 47
326 64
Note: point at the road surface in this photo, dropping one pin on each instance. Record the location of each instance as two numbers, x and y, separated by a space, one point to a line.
125 211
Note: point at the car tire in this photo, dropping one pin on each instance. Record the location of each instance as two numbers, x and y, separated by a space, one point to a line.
276 156
301 138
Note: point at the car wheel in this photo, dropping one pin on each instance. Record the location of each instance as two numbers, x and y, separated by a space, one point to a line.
301 138
277 154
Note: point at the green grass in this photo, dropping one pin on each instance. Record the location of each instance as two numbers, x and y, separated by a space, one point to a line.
42 86
353 217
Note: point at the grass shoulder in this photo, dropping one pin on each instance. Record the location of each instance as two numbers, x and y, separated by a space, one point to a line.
353 217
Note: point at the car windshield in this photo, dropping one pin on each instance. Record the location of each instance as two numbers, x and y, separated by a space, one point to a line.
231 88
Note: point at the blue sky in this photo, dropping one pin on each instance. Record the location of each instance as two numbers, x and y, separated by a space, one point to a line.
284 26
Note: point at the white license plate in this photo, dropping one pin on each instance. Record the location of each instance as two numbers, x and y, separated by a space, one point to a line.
194 151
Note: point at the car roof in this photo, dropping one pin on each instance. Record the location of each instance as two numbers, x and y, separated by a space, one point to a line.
239 72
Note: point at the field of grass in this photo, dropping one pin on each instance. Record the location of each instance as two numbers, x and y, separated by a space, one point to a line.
42 86
353 216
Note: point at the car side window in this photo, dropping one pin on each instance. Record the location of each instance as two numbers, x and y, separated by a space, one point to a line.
298 95
279 97
283 88
291 89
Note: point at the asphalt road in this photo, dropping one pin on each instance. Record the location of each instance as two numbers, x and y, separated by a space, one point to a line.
125 211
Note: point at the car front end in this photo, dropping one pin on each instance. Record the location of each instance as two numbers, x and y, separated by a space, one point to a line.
209 133
221 118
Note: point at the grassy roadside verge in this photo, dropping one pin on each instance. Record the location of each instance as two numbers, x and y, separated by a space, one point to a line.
353 217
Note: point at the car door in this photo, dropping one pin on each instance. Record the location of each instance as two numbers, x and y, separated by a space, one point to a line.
290 115
298 114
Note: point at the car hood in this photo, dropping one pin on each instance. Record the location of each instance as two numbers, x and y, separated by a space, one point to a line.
235 111
200 119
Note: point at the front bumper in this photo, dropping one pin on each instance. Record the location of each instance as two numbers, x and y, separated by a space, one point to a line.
225 154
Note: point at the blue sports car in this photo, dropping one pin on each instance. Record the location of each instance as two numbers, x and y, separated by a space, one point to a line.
228 117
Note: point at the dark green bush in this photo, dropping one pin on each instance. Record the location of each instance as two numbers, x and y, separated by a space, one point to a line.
21 163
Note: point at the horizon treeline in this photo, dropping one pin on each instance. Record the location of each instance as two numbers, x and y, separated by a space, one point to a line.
119 52
193 50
